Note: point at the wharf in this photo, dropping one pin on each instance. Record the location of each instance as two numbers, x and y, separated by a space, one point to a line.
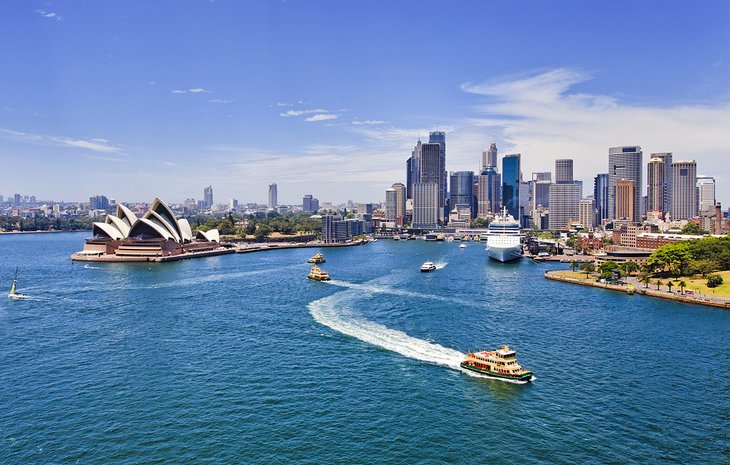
718 302
563 258
113 258
292 245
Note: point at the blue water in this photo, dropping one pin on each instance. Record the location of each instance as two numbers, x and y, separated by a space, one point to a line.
240 359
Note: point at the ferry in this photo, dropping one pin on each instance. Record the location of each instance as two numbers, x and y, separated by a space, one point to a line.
318 274
500 363
317 258
428 266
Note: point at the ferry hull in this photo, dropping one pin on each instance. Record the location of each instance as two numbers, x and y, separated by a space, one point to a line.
505 254
523 377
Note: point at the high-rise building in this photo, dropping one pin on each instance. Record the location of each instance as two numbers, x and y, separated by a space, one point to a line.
390 204
208 197
655 186
626 205
462 190
706 193
400 203
413 173
625 163
232 205
511 176
586 213
439 137
684 190
600 196
98 202
489 190
666 157
541 193
16 200
563 170
310 204
489 157
542 176
564 204
273 196
425 205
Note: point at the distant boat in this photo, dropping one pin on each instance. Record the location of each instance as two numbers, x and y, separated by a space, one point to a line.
462 246
428 266
317 258
16 295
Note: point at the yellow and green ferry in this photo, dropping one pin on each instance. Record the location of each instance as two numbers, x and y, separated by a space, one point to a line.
500 363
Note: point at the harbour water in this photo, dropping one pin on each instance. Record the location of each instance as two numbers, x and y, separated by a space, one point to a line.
240 359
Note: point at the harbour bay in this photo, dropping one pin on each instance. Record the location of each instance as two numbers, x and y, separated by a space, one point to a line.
239 358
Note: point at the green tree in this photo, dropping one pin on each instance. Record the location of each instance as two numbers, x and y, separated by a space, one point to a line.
588 268
659 283
714 280
674 258
645 280
573 265
607 267
682 285
670 285
630 267
692 228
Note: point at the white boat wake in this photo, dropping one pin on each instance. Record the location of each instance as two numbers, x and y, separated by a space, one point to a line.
332 312
387 290
441 265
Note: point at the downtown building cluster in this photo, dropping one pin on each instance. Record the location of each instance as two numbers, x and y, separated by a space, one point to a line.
668 196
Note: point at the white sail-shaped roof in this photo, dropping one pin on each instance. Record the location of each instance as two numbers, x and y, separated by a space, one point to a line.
162 222
164 210
146 226
210 236
106 229
185 230
118 223
126 215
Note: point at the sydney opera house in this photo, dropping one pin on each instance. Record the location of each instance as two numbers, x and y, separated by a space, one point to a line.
157 236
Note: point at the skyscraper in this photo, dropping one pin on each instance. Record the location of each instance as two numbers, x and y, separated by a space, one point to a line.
625 200
542 176
587 213
439 137
624 163
684 190
390 205
310 204
413 172
541 193
489 192
400 203
706 193
425 205
666 157
564 204
462 190
273 196
600 196
208 197
655 186
563 170
511 184
489 157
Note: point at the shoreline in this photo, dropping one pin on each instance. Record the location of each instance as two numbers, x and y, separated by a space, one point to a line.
689 299
45 232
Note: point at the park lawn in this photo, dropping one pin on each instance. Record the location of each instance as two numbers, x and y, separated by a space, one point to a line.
575 275
699 284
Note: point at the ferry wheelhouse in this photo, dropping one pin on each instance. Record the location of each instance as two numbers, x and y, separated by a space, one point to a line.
500 363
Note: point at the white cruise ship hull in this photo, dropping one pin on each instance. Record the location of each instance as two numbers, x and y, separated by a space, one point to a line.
505 253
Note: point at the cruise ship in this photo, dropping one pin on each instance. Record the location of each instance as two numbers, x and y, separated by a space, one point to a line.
503 238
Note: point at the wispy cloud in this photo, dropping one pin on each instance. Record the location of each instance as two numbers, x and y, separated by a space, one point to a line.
321 117
50 15
220 100
194 90
284 104
96 145
289 113
368 122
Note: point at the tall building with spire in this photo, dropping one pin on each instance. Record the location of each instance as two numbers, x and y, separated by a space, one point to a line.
439 137
625 163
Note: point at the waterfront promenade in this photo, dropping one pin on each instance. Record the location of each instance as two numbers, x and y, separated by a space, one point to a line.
572 277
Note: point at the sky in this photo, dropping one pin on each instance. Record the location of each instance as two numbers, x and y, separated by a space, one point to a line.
135 100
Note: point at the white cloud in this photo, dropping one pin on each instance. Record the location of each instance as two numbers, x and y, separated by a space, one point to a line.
50 15
368 122
321 117
284 104
179 91
302 112
538 116
96 145
220 100
198 90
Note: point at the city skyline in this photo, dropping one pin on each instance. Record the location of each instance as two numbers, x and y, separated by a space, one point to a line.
102 99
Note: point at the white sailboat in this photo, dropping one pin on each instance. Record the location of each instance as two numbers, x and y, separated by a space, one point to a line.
16 295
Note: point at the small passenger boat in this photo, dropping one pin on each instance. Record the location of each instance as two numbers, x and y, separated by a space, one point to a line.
317 258
428 266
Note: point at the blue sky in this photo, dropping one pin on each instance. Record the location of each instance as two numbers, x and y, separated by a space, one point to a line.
139 99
